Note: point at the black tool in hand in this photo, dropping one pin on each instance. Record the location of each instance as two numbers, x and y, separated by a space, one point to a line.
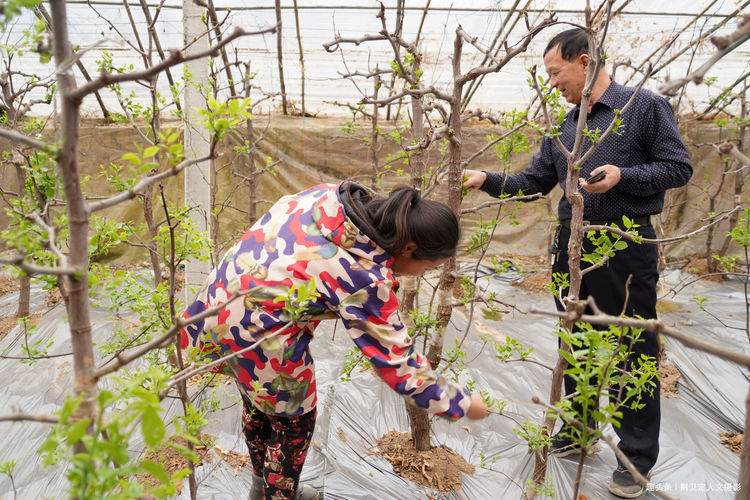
596 177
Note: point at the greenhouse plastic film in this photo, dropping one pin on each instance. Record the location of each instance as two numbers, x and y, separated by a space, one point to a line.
353 415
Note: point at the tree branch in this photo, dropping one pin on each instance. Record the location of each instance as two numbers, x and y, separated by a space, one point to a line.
123 359
724 44
630 237
23 139
654 325
204 368
144 183
486 204
175 57
34 269
17 417
731 149
610 442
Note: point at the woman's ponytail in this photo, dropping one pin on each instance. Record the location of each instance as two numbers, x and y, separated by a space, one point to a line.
405 217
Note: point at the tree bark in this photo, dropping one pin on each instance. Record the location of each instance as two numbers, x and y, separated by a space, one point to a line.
418 419
252 171
24 291
739 177
301 56
374 133
77 287
279 54
447 277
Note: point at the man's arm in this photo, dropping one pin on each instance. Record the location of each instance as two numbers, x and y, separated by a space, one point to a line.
669 163
539 177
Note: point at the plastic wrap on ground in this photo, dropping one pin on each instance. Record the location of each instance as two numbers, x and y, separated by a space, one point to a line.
353 415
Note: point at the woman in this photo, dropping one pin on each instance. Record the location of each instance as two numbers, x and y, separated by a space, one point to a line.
349 243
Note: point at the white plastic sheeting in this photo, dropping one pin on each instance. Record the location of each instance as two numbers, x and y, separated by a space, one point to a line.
642 28
353 415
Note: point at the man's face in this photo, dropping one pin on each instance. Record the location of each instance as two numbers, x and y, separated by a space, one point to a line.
569 77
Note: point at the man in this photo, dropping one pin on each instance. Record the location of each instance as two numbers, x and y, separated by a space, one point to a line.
639 163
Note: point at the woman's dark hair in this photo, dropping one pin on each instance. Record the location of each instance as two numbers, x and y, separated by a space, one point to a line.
572 42
405 217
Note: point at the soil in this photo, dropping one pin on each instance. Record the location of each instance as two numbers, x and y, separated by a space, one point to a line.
173 462
524 263
235 459
9 285
669 375
536 282
179 280
7 323
535 269
732 441
438 468
696 264
53 297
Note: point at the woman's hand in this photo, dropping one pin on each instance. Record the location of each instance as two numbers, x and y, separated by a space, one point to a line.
477 410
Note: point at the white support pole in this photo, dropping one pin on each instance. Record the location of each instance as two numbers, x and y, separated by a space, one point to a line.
197 177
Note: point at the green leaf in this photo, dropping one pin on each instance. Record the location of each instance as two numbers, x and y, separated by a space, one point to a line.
105 397
78 430
155 470
116 451
150 151
132 158
567 356
621 245
70 406
152 427
49 444
234 106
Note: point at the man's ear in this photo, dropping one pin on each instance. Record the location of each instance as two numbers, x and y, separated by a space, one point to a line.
584 60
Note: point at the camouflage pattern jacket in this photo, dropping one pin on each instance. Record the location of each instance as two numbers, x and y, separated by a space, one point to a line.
305 237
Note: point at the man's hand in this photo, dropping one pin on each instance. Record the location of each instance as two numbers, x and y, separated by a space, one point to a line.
610 180
477 410
474 179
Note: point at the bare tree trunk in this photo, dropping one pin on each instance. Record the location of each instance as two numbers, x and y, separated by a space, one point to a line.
157 44
42 13
574 245
148 215
448 275
224 57
84 383
24 297
397 32
419 419
24 291
214 216
301 56
252 172
374 134
417 164
454 178
279 54
739 176
711 263
148 193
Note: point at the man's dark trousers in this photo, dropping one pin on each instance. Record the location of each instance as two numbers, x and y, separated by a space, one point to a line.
639 430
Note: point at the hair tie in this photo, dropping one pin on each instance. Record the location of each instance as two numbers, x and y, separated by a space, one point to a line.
418 192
